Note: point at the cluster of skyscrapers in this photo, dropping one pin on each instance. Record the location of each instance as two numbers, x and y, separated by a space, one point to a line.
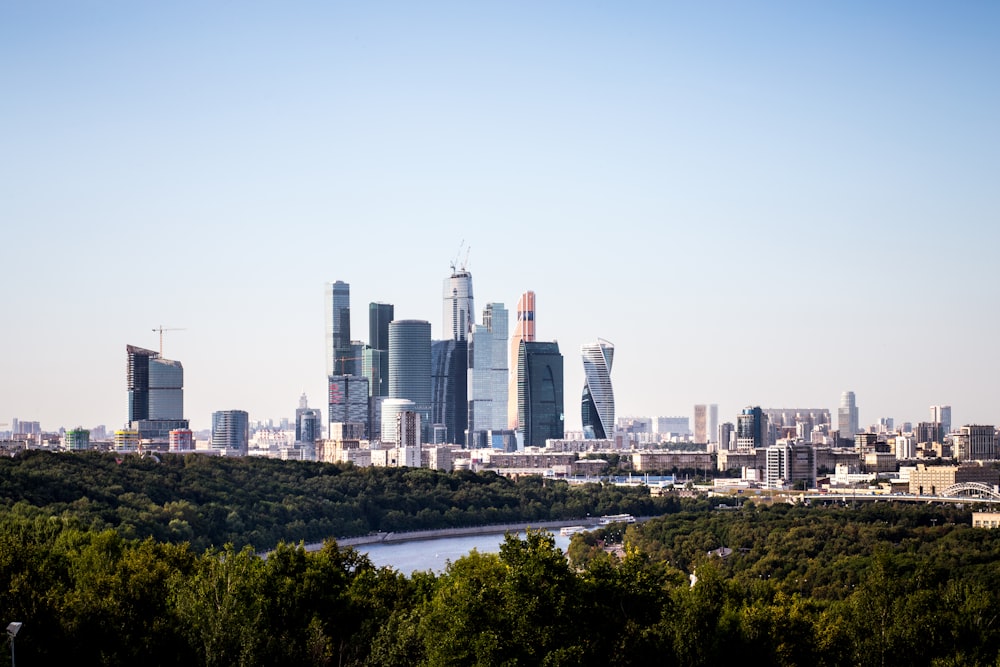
481 385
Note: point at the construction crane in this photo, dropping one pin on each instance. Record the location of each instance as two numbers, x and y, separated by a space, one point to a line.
161 329
460 261
338 363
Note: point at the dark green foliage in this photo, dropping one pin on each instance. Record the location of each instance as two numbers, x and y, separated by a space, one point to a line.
208 501
878 585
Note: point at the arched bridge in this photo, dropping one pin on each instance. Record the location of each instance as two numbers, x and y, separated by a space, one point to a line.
971 490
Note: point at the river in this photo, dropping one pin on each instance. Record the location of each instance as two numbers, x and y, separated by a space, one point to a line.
435 554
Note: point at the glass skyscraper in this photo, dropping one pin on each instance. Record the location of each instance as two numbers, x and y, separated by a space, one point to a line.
524 329
540 393
449 388
379 316
410 365
375 357
598 402
155 394
495 319
339 357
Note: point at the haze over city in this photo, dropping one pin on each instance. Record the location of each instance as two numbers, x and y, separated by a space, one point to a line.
761 205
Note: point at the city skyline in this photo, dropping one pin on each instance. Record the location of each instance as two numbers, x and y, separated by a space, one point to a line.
759 205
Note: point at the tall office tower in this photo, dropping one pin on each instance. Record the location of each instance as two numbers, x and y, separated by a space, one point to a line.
458 309
726 440
339 359
751 429
155 394
495 320
379 316
231 431
375 367
524 330
308 422
539 393
348 400
410 366
375 355
480 377
449 390
597 406
942 415
847 417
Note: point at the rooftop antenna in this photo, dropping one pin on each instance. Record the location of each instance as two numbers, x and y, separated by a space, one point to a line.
161 329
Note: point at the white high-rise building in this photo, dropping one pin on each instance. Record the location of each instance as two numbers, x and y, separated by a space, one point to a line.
458 306
598 403
847 416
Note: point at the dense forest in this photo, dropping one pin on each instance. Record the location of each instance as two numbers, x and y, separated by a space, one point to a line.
209 501
878 584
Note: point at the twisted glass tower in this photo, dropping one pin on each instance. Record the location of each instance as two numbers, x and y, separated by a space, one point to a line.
598 404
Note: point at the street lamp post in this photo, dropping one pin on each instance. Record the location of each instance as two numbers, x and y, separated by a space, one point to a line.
12 630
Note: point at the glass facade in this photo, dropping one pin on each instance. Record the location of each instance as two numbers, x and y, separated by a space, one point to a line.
458 306
375 367
231 431
348 400
495 319
540 393
598 402
449 388
379 316
410 365
338 329
155 394
524 330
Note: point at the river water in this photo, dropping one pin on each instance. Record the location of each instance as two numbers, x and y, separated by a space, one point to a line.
435 554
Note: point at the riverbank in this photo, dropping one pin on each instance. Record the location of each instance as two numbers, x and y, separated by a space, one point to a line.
415 535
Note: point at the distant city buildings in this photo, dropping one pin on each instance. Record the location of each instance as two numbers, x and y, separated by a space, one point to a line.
751 429
231 432
706 423
308 422
941 414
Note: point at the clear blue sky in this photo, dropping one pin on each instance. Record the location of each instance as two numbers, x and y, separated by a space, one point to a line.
757 203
